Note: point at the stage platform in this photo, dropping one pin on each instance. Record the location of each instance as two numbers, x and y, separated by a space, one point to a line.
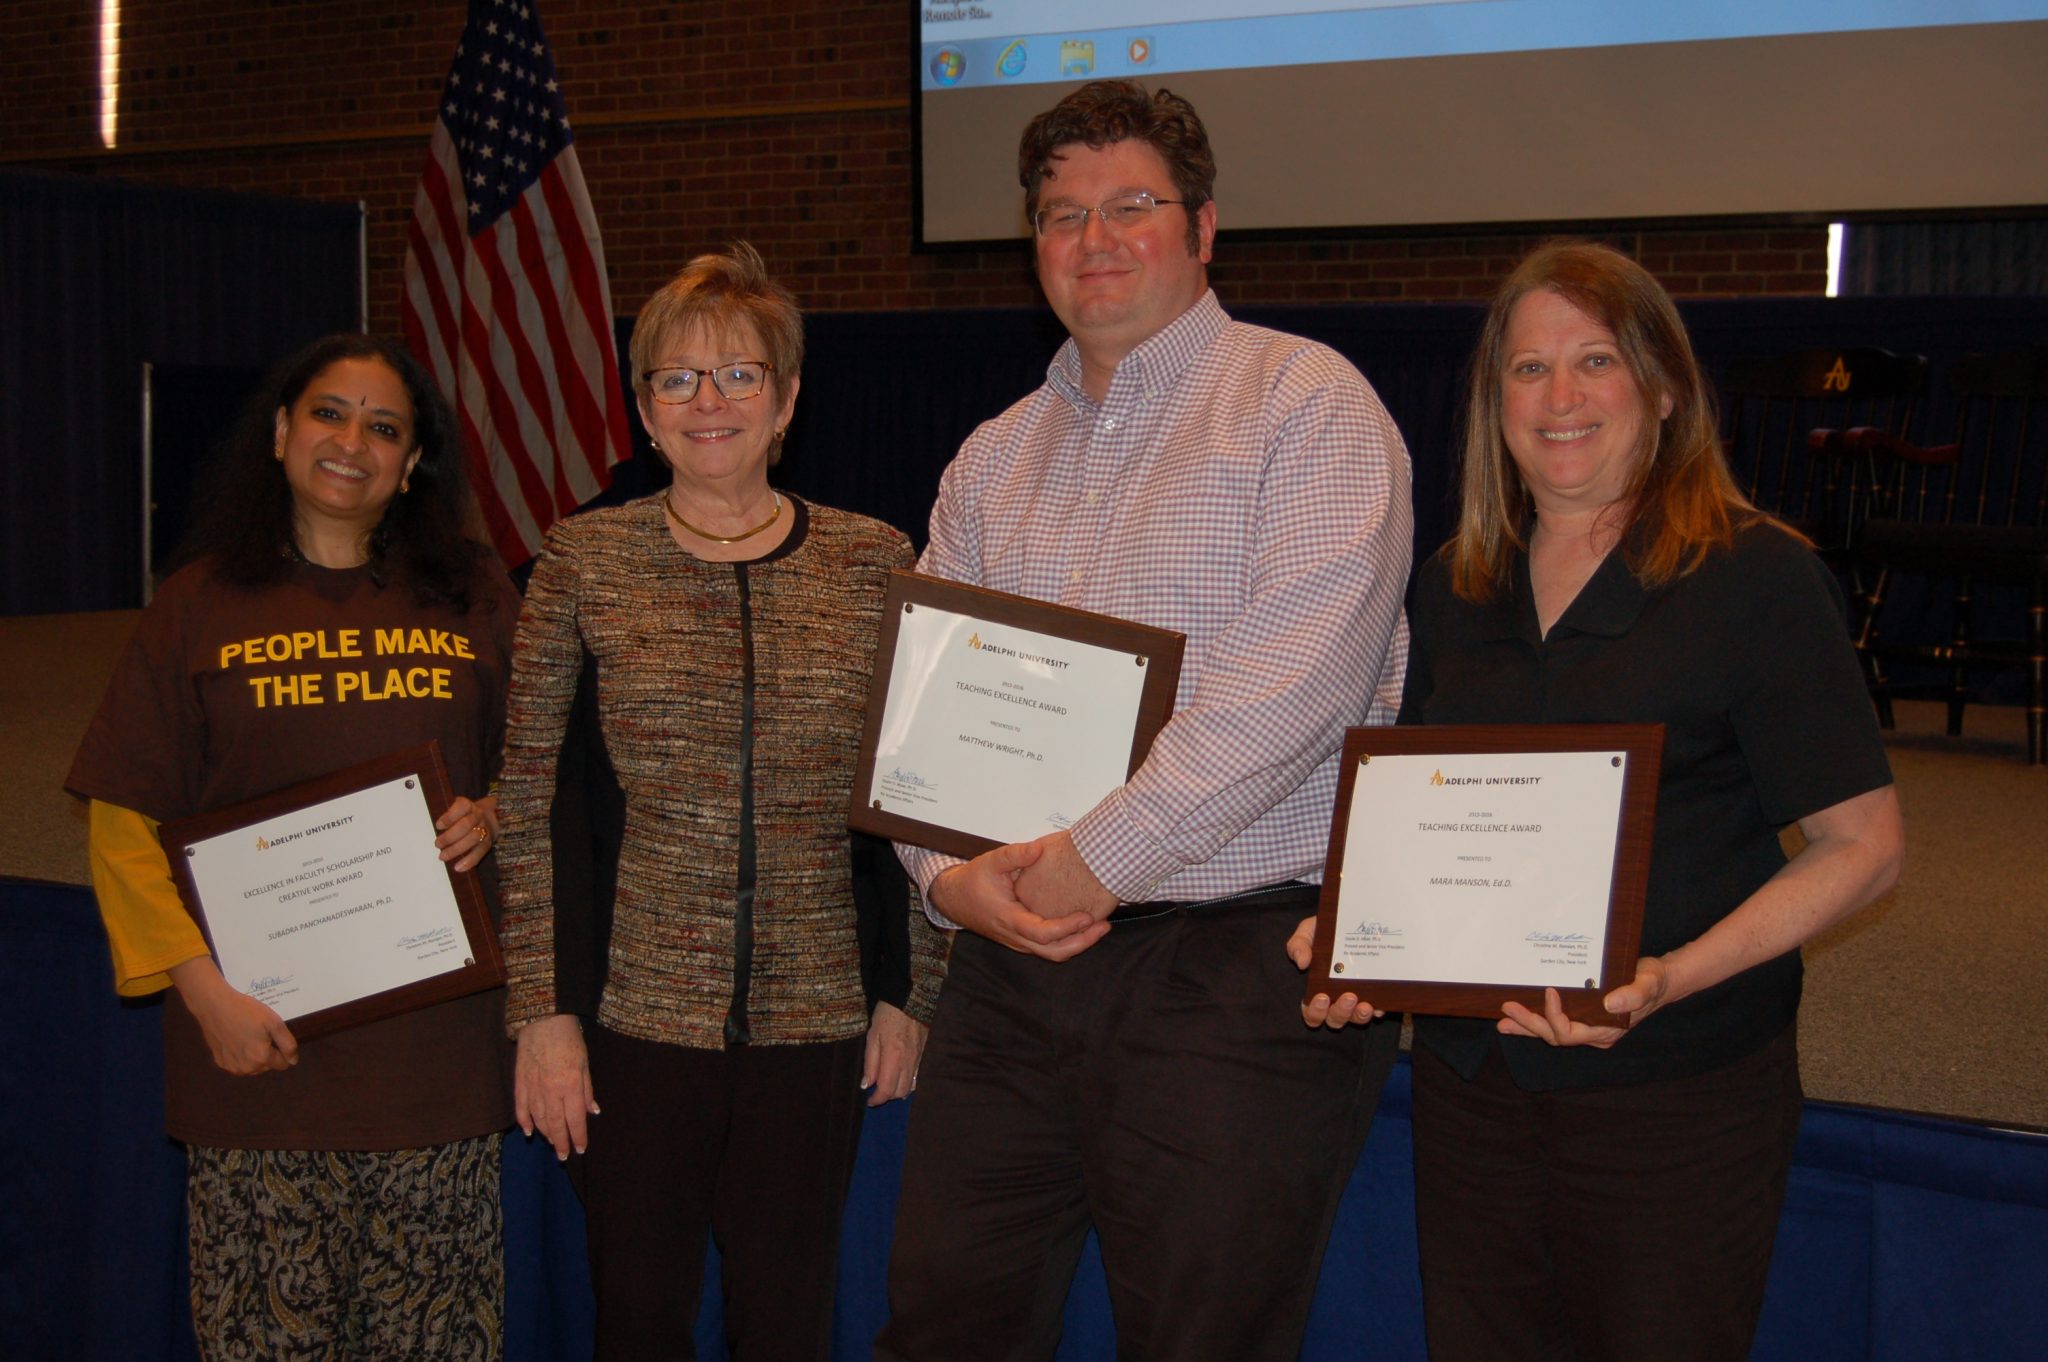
1903 1238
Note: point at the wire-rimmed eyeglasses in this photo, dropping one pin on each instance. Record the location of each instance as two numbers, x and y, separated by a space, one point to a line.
1122 212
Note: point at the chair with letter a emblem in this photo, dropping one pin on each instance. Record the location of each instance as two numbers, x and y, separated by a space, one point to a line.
1783 423
1959 517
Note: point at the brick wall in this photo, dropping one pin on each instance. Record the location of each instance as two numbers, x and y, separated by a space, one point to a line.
698 121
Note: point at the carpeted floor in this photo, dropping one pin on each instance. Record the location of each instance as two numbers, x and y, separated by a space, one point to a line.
52 670
1931 1000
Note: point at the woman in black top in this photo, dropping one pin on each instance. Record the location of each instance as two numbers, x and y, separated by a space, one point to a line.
1608 1191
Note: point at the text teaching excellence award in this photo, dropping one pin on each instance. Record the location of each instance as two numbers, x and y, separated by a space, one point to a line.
329 901
996 718
1475 864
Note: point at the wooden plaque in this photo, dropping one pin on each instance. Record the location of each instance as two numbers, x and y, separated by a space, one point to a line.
481 966
989 757
1431 893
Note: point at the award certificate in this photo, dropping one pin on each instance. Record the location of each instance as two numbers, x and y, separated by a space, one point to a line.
329 901
1473 865
994 718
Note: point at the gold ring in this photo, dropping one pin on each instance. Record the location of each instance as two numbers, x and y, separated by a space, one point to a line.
483 834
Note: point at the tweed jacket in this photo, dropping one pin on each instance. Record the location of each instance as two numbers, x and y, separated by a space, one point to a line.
690 881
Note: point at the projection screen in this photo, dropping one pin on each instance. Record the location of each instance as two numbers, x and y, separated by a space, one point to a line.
1330 115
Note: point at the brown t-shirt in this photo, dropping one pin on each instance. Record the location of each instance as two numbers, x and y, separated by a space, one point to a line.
224 694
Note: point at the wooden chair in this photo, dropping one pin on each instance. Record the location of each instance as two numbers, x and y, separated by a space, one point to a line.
1783 423
1971 511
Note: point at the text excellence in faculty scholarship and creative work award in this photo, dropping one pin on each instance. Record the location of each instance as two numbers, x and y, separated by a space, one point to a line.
329 901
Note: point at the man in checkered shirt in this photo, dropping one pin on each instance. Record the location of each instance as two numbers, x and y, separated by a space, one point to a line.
1120 1041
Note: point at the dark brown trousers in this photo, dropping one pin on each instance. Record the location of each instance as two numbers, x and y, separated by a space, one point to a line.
754 1145
1590 1224
1160 1086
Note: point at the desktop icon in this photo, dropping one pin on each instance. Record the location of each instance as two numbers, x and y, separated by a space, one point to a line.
1077 57
1011 63
1140 51
948 66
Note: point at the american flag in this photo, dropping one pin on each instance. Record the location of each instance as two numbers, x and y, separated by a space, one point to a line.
505 289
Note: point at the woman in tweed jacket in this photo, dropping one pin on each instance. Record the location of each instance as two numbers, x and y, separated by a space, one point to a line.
683 933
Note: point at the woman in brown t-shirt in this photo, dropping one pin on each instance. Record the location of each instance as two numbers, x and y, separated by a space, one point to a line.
342 1193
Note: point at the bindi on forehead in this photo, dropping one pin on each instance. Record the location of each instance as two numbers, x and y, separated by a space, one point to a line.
343 400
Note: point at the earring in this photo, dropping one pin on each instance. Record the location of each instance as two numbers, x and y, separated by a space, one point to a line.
278 453
780 433
404 485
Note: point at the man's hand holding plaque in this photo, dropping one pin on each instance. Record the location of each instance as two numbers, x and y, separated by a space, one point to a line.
1036 898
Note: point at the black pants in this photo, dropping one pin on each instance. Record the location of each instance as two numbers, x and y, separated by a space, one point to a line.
755 1145
1160 1085
1624 1222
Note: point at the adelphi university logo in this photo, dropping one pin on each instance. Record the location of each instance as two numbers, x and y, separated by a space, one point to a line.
974 640
1836 380
1436 777
262 843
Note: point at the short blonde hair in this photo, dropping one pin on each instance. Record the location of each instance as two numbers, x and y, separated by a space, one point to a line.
1681 499
718 293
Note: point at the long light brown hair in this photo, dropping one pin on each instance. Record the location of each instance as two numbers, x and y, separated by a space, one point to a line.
1680 502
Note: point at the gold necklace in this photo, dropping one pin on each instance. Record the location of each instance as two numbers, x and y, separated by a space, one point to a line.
669 506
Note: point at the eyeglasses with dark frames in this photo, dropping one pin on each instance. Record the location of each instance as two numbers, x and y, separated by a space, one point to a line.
736 382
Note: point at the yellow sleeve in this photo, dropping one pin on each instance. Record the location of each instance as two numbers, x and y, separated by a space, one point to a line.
147 925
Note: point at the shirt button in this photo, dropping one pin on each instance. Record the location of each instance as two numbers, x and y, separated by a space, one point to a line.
1074 577
1091 498
1109 423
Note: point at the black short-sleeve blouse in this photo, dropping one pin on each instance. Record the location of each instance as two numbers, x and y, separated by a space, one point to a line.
1747 663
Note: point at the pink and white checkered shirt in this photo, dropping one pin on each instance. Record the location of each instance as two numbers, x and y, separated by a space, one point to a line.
1247 489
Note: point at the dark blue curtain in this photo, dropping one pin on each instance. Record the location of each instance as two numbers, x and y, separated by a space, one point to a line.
97 277
888 397
1918 258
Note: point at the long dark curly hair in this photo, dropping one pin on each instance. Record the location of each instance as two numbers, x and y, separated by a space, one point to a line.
426 539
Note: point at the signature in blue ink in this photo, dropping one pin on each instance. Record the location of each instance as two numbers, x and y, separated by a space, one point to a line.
1372 929
268 981
422 938
1060 820
912 778
1556 937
